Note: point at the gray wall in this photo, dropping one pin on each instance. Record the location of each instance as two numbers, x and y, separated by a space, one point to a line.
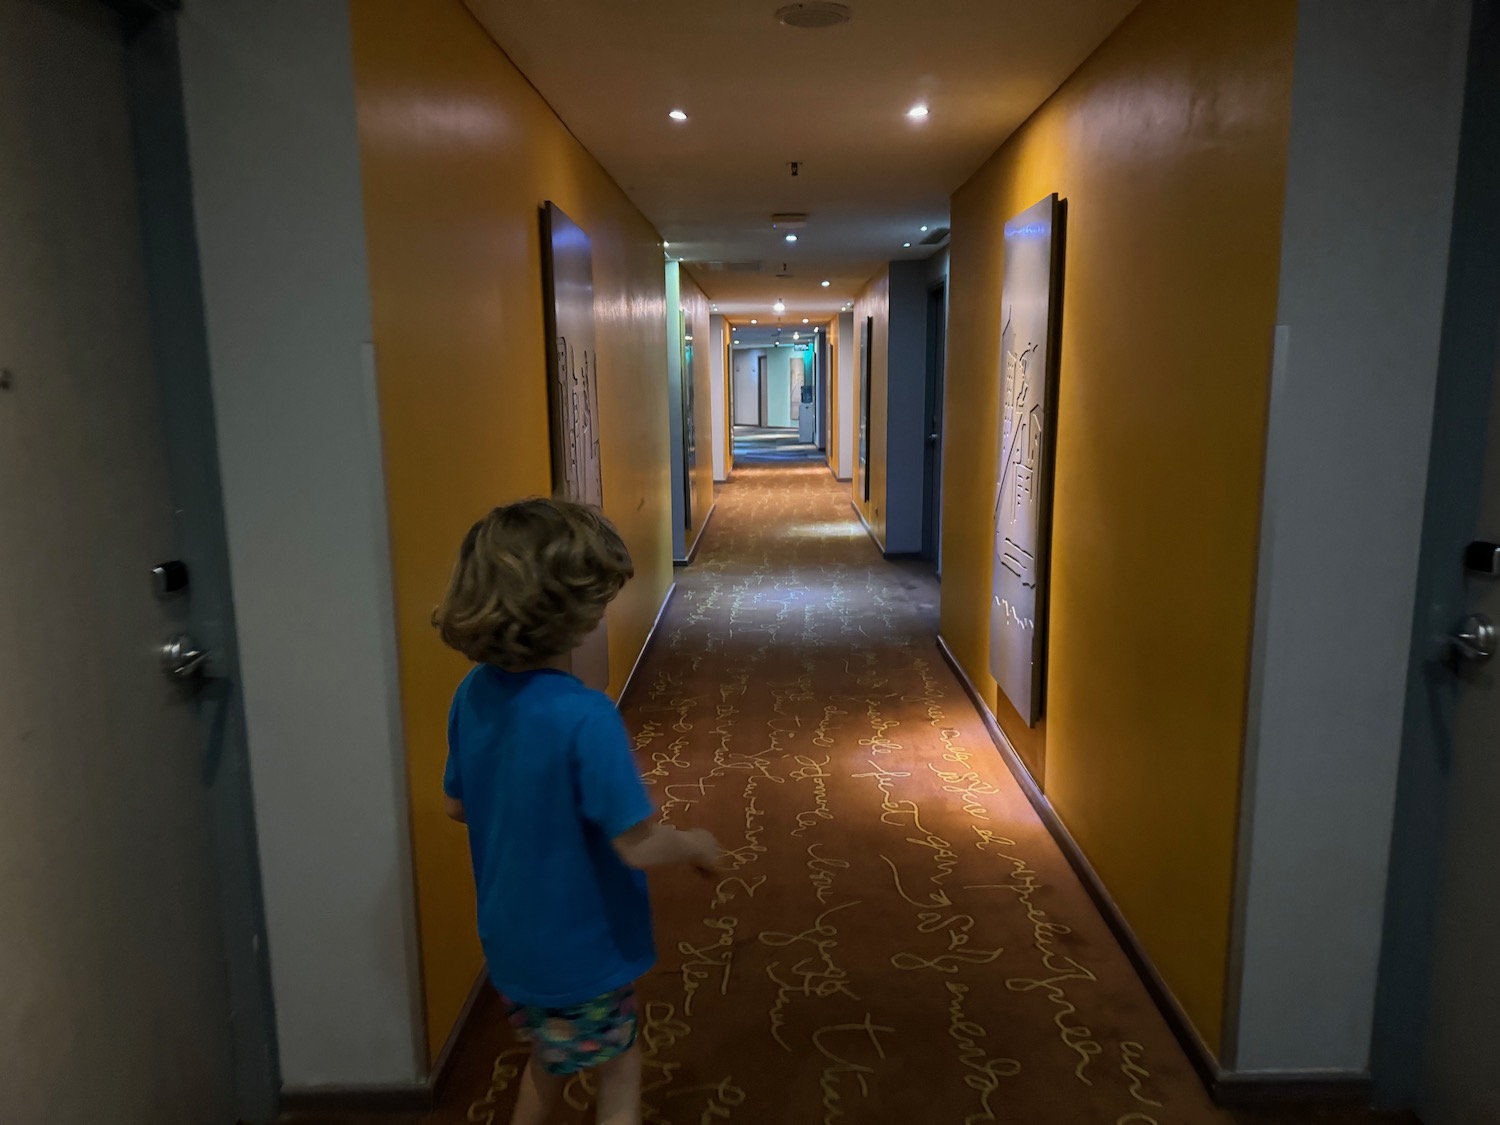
906 389
275 163
778 389
1375 113
746 386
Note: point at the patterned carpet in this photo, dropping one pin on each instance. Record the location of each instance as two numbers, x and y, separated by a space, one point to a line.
757 445
899 939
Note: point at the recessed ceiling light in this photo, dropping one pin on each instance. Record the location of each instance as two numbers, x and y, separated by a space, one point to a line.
924 228
825 285
679 115
796 335
665 244
736 341
918 110
813 14
791 238
778 307
754 321
906 245
804 320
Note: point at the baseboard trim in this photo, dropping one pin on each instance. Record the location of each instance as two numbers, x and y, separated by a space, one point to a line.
1233 1089
692 552
1272 1088
403 1097
445 1056
1186 1034
870 531
640 657
416 1097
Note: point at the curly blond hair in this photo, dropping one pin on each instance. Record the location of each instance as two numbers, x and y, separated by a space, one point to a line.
531 582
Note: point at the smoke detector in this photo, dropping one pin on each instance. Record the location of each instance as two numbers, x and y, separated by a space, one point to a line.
813 14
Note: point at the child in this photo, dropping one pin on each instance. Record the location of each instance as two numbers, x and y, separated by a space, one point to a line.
560 827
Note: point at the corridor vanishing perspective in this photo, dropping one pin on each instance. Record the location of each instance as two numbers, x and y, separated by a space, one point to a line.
898 939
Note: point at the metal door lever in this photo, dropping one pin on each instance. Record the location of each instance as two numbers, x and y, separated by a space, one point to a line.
181 658
1475 638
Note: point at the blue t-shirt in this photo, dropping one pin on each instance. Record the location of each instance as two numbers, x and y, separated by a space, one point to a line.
544 769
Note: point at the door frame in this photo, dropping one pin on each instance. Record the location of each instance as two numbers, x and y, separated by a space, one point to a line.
1467 366
932 437
179 341
762 389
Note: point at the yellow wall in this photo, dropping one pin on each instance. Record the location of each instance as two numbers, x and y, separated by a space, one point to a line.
696 305
728 363
1169 145
873 301
459 152
834 385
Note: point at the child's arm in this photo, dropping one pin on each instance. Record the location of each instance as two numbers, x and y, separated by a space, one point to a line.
654 844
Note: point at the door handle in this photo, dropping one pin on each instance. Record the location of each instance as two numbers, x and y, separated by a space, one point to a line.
1475 639
181 658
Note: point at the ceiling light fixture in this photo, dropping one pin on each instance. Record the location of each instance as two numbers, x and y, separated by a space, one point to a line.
825 285
796 335
813 14
779 307
804 320
917 111
791 238
754 321
906 245
679 115
924 228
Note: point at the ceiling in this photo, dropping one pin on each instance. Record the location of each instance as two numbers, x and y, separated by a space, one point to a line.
766 335
759 95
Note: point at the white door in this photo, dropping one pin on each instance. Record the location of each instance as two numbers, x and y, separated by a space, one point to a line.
113 998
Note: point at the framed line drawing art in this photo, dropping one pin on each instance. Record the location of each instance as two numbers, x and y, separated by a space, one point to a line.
1030 317
689 421
866 335
573 393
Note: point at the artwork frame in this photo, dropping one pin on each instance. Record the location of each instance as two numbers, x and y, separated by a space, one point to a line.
689 420
1030 335
866 338
573 393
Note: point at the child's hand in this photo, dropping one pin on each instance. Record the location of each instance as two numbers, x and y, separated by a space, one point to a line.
704 853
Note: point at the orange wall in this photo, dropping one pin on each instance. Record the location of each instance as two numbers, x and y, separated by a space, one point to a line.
459 152
728 362
873 301
1169 145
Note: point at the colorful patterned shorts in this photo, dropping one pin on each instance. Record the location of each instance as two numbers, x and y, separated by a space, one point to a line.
567 1040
